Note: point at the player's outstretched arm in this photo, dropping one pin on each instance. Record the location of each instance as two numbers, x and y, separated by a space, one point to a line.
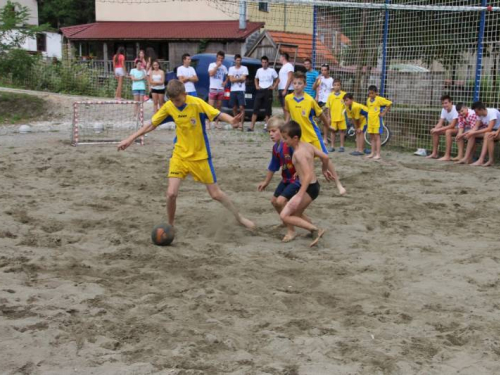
329 170
234 121
262 186
123 145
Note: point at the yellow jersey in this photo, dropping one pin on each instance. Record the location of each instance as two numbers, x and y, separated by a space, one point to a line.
303 111
357 112
335 103
376 106
191 140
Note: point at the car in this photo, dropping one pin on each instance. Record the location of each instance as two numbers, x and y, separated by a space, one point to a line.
200 63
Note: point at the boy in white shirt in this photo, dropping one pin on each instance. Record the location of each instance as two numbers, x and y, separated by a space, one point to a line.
285 83
187 75
323 87
237 76
218 79
449 115
266 80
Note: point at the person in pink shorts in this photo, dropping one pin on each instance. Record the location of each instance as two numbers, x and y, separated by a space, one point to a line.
218 79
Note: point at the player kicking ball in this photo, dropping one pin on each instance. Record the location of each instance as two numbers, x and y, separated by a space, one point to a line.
303 160
192 150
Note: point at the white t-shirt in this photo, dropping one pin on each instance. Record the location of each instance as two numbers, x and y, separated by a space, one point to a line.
238 73
266 77
449 116
493 114
217 80
187 73
325 88
283 74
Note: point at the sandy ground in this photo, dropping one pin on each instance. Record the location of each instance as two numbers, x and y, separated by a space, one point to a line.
406 280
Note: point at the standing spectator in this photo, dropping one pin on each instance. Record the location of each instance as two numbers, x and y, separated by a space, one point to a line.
157 84
237 76
311 77
138 77
323 85
187 75
285 85
120 71
142 59
150 58
218 79
266 80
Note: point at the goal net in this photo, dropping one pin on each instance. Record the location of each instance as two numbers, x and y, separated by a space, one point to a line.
100 122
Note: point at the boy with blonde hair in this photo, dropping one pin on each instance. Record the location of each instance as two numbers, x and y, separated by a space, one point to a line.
191 153
281 159
335 104
377 109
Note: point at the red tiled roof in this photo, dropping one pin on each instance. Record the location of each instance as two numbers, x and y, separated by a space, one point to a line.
177 30
304 43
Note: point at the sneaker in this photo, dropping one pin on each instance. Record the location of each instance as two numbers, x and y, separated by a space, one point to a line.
341 149
357 153
249 130
331 149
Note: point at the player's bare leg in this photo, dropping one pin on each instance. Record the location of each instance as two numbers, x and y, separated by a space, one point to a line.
435 146
372 151
377 147
460 146
219 106
471 147
242 110
484 151
217 194
449 140
172 193
342 138
325 134
212 103
491 150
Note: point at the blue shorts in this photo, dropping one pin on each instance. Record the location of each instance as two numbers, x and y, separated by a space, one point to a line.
237 98
193 93
138 92
287 189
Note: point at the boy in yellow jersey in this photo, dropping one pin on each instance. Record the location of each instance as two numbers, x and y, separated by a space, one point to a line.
302 108
335 104
358 113
377 109
192 150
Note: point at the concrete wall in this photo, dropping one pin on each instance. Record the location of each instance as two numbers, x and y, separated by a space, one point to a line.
32 5
296 18
162 11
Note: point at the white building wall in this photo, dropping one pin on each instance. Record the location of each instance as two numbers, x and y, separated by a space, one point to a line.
32 6
53 44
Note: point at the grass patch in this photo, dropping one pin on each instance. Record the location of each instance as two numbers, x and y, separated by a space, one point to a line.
18 108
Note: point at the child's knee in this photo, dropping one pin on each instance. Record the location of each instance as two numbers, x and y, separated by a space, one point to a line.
216 194
172 195
281 201
274 201
284 216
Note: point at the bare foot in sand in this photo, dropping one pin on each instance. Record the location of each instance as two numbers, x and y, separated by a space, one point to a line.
342 190
369 156
456 158
431 156
246 223
377 158
461 161
316 235
445 158
478 163
489 163
289 237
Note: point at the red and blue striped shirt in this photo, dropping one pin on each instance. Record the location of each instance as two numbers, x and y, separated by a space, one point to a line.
282 158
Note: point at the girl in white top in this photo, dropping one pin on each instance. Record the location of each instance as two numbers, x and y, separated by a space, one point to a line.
157 84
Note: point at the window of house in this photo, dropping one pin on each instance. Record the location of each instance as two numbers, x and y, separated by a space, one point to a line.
263 6
41 42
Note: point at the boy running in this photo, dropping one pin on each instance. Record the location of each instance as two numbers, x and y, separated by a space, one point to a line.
302 109
467 119
218 79
377 109
281 158
191 153
335 104
358 113
303 160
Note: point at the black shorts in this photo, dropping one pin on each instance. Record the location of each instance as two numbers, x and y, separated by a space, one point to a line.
155 91
313 190
282 98
287 189
263 100
321 104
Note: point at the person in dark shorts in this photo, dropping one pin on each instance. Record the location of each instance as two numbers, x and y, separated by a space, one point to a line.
303 160
281 159
237 76
266 80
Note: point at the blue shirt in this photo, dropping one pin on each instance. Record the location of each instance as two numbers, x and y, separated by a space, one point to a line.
311 77
138 85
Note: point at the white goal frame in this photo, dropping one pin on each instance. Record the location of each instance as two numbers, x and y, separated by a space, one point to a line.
75 130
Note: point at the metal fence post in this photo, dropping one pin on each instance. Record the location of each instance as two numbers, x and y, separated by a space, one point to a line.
479 57
315 30
383 77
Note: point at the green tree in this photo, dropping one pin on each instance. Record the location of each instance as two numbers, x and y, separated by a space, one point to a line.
61 13
14 28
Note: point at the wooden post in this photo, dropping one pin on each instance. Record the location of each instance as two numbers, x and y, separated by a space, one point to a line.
105 56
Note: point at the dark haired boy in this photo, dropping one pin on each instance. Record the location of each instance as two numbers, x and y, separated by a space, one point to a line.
336 109
358 113
447 123
467 119
303 160
191 153
187 75
377 109
218 79
265 81
237 76
311 77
